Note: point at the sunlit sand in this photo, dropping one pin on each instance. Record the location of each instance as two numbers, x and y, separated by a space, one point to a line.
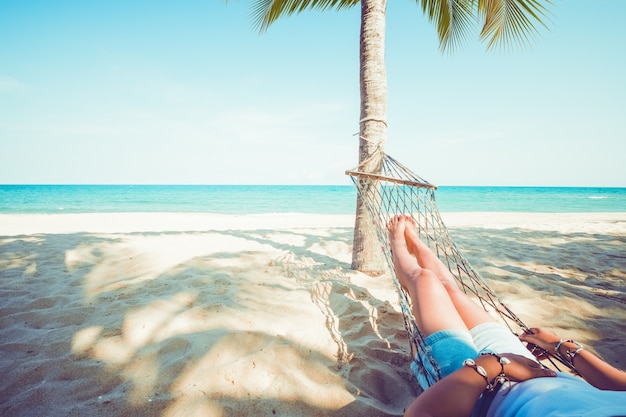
207 315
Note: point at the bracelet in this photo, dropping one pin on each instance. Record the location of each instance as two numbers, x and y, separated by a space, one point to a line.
569 353
501 360
500 378
480 371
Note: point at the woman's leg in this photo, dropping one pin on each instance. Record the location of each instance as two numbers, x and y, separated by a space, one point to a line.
470 312
447 340
444 306
432 307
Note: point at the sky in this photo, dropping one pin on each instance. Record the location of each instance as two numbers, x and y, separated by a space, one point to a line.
189 92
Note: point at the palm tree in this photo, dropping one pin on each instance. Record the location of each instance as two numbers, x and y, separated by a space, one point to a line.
502 23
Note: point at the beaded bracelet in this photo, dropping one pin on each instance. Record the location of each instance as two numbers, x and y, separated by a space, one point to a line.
501 377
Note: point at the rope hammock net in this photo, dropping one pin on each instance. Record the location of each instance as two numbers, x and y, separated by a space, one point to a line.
396 190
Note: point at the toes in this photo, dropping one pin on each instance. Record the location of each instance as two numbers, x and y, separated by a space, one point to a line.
394 222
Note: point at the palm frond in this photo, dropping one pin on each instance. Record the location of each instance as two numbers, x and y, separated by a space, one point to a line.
454 20
266 12
510 21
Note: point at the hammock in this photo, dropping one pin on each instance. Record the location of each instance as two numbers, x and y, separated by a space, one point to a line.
397 190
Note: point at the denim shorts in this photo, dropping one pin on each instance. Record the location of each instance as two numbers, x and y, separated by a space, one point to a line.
449 348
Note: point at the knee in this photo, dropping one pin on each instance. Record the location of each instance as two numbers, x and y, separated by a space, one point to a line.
423 276
425 283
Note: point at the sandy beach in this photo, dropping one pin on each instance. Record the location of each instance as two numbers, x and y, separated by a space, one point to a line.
167 314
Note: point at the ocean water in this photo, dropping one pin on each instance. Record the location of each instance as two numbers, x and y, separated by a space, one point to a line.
263 199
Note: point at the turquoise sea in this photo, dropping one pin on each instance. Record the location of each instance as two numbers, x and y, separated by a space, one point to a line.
262 199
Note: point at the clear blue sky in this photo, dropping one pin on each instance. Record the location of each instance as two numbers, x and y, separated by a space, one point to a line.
188 92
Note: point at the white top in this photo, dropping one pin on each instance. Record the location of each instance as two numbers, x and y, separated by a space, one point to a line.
563 396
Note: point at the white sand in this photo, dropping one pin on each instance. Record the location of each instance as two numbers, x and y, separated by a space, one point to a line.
207 315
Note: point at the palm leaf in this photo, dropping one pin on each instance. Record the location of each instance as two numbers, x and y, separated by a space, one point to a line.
509 21
266 12
454 20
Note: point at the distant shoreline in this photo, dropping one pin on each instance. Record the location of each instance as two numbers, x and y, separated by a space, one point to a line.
27 224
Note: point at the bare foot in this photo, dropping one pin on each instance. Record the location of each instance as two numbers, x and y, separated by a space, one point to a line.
426 258
403 262
396 227
413 242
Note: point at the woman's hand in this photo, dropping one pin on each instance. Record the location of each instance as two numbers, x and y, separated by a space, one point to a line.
542 338
594 370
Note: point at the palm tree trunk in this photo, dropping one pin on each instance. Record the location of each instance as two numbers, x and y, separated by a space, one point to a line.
366 253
